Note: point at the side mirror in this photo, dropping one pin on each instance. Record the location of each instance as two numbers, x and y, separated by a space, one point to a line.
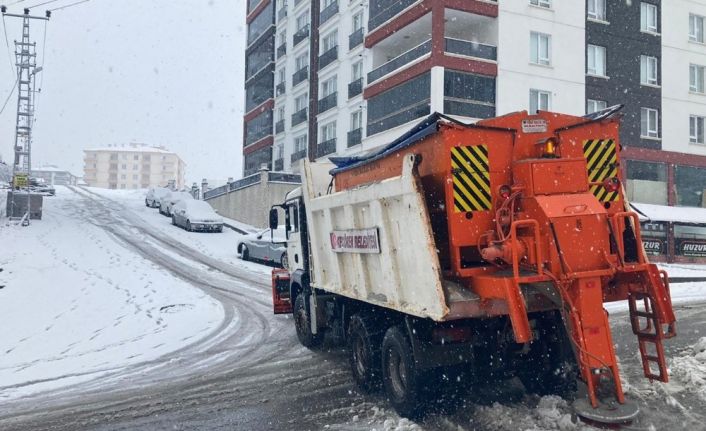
274 218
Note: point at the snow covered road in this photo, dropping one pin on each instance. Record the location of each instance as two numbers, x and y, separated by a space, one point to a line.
245 370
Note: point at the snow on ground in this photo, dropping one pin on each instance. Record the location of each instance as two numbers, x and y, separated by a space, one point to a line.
689 368
77 303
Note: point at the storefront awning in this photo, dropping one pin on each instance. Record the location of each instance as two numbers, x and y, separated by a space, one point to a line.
687 215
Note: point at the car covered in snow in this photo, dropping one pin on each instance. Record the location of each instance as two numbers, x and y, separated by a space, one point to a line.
265 246
194 215
168 201
155 195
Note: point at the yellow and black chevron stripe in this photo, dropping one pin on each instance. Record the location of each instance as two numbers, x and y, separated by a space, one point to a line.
601 163
471 179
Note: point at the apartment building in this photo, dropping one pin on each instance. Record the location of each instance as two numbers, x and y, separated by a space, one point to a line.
133 166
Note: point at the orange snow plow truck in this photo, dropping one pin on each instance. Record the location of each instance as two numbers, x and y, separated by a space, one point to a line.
480 251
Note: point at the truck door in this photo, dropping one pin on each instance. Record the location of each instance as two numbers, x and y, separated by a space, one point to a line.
295 250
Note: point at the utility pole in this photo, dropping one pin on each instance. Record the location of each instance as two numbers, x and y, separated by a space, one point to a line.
26 62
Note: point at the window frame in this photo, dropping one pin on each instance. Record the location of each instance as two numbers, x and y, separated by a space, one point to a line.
539 60
596 49
697 122
595 104
535 92
645 62
645 25
546 4
599 13
327 40
696 32
328 131
329 84
698 86
359 123
652 133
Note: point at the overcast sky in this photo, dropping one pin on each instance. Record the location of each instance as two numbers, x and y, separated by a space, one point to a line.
161 72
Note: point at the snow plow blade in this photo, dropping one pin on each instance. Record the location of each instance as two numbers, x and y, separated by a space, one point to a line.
607 412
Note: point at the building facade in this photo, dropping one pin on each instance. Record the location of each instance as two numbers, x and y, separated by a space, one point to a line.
132 167
55 176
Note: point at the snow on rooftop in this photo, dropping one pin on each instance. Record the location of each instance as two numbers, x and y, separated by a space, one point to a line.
651 212
133 148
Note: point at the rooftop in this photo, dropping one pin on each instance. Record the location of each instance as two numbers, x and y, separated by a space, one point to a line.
133 148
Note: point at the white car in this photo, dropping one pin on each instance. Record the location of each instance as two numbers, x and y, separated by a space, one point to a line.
265 247
167 202
155 195
194 215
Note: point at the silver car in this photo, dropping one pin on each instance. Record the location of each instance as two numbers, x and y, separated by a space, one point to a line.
167 202
194 215
155 195
264 247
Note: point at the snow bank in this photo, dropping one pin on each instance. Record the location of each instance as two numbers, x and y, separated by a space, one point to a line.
689 368
550 413
77 303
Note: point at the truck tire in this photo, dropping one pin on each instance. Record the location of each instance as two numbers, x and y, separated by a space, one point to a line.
399 375
302 323
364 340
550 367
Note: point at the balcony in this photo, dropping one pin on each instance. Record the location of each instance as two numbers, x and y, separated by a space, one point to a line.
282 13
301 35
297 156
280 89
355 88
279 165
328 57
326 147
252 4
299 117
355 38
251 137
355 137
328 102
300 75
328 12
401 60
470 49
281 50
279 126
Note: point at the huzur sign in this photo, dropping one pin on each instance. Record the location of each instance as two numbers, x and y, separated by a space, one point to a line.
691 248
653 246
355 241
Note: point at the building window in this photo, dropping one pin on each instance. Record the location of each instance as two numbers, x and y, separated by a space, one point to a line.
647 182
690 183
328 131
541 3
356 120
302 61
281 75
595 106
696 78
302 20
280 114
124 156
595 60
328 87
300 102
540 48
696 129
279 152
539 101
134 177
357 71
135 157
123 177
649 119
123 166
648 70
648 17
134 167
696 28
329 41
595 9
357 21
300 143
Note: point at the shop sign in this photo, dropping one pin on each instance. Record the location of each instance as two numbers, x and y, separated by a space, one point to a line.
691 248
653 246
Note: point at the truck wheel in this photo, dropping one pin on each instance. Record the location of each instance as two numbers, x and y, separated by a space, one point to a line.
364 349
399 375
550 366
302 323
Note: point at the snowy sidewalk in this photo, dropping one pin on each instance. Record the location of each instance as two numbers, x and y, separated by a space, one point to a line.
78 304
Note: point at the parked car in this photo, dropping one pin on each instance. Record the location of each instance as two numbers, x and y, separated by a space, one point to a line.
194 215
264 247
167 202
155 195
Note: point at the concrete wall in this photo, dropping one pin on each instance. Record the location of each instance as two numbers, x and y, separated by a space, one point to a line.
250 204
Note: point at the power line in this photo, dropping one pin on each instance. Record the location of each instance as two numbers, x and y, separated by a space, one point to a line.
12 91
69 5
42 4
7 43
